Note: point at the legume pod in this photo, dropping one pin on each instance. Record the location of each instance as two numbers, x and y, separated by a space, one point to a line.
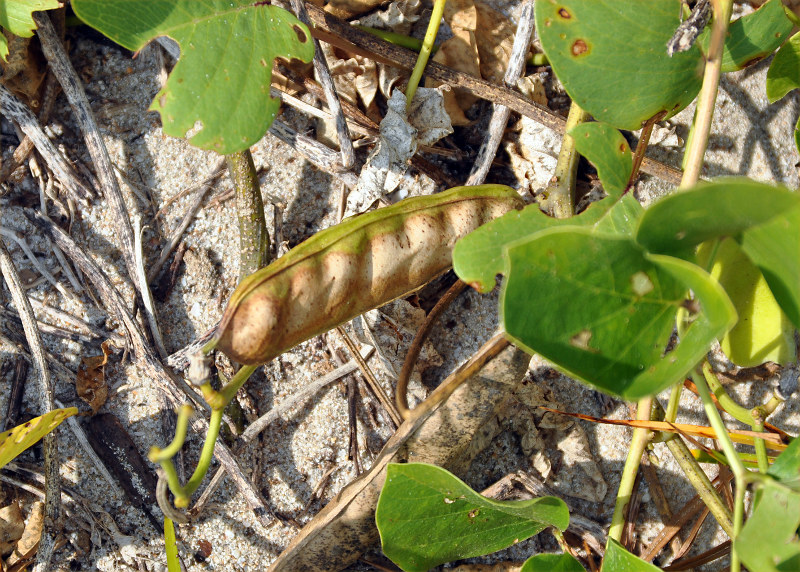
345 270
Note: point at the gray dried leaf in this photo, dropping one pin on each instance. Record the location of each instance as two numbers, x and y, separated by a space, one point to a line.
400 133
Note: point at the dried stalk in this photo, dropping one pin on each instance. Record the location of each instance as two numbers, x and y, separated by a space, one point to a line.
15 110
500 112
331 97
70 82
52 505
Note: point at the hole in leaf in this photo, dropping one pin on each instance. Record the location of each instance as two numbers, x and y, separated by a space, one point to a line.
581 340
641 284
301 35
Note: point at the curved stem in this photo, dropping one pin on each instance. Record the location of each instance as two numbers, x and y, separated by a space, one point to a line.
205 456
157 455
425 52
401 390
730 406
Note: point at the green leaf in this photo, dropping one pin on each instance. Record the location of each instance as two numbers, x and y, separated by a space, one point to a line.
16 17
426 516
16 440
622 218
552 563
783 74
576 295
223 76
612 57
478 257
617 559
608 151
763 218
786 468
753 37
768 541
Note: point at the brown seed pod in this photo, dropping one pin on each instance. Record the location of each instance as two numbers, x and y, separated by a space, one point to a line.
343 271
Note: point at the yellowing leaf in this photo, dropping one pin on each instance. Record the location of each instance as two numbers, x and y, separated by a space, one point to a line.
16 440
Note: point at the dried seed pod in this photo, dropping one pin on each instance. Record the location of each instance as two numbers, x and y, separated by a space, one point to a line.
345 270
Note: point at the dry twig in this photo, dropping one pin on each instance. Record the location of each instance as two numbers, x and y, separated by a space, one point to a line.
52 505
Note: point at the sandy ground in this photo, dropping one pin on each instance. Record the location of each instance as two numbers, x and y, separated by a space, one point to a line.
749 138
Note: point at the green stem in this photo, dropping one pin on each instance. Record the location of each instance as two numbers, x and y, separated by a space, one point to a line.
220 399
737 467
171 546
671 414
735 410
425 52
253 236
206 455
701 483
414 44
558 198
695 473
760 444
638 443
157 455
538 60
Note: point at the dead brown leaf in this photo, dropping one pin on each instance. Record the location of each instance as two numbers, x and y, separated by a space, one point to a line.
12 526
495 39
24 70
29 542
91 381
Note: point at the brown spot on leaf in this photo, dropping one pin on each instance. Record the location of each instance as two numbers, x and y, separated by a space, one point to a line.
622 147
579 47
564 13
263 62
301 35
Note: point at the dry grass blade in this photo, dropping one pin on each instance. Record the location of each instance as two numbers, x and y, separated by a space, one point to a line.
52 507
70 83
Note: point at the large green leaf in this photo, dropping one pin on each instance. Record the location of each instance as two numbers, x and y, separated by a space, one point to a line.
763 218
478 257
752 37
612 57
768 541
223 76
426 516
602 309
783 74
617 559
16 17
16 440
608 150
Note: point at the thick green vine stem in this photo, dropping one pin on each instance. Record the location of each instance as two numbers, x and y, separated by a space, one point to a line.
253 236
425 52
558 198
